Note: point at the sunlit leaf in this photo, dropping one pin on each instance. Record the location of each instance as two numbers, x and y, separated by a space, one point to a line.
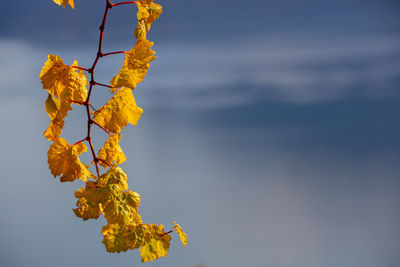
64 84
147 13
64 160
158 245
117 238
111 152
110 197
52 106
120 110
137 61
181 233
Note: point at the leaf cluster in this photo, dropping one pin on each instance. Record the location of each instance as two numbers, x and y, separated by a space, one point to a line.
107 194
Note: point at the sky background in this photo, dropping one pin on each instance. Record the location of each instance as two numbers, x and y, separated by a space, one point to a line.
270 132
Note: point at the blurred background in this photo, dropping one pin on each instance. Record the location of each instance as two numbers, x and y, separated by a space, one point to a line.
270 132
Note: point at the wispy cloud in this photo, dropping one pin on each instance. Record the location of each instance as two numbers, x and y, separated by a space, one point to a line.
290 68
284 68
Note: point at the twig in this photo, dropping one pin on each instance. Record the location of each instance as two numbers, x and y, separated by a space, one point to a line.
124 3
92 82
113 53
101 127
81 68
101 84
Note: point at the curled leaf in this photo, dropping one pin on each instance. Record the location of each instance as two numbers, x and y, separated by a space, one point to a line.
111 153
64 160
147 13
64 84
136 63
181 233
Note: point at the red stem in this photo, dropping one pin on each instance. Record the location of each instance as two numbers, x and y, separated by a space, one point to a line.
113 53
101 127
163 233
125 3
81 68
76 102
80 141
92 107
101 84
105 162
92 82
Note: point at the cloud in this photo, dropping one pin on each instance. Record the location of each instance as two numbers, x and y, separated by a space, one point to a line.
291 68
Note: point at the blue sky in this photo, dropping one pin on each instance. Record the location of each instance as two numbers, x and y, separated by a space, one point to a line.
270 132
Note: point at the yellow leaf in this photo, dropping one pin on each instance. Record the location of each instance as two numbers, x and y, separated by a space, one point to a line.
52 106
63 81
52 75
64 160
181 233
121 207
64 84
109 196
64 3
146 1
120 110
111 152
57 123
158 245
119 238
147 13
141 30
114 176
88 202
136 63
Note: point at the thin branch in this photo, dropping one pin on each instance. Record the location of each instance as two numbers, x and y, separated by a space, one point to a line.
105 162
92 82
92 107
101 127
113 53
81 68
76 102
164 233
101 84
95 159
125 3
80 141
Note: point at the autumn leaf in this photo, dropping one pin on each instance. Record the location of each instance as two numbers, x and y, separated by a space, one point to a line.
147 13
117 238
64 160
158 245
64 84
57 111
108 194
136 63
114 176
63 81
121 207
88 203
52 106
120 110
110 197
181 233
111 152
64 3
